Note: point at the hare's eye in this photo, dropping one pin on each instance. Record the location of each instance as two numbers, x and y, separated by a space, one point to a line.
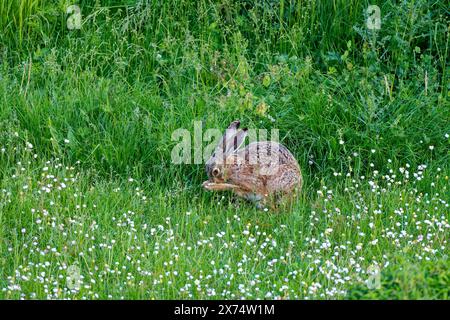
215 172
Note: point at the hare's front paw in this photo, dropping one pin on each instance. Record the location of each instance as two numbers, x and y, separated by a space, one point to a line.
208 185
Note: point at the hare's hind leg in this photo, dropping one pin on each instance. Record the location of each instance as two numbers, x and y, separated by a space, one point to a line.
286 201
258 199
266 203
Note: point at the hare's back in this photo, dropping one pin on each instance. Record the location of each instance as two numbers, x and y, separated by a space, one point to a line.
267 152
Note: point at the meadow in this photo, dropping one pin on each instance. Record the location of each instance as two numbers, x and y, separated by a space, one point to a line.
91 206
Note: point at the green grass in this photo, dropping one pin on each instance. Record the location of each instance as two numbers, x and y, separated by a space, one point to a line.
409 280
86 177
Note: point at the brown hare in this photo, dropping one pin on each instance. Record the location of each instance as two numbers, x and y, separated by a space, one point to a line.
264 172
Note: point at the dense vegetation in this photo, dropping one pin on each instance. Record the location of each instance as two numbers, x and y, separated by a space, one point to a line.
86 178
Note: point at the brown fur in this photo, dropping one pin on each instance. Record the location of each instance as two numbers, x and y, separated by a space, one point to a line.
263 171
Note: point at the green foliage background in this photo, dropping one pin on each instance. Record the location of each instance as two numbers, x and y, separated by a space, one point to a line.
138 70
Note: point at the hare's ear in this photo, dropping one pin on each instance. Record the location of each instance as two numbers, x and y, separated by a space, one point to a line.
241 135
235 141
223 146
230 132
